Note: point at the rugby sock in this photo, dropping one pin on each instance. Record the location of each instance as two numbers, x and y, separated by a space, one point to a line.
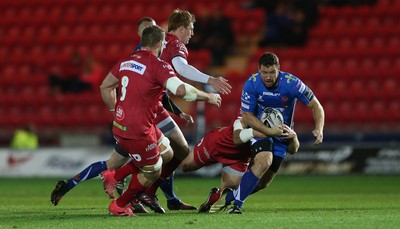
134 188
168 188
167 185
88 173
124 171
247 184
229 198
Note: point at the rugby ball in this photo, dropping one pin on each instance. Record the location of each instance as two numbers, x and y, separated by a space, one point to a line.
272 117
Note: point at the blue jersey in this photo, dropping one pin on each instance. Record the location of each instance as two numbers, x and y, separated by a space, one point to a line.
256 97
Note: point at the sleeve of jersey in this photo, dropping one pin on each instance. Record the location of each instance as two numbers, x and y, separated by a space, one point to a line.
248 100
115 69
303 92
165 71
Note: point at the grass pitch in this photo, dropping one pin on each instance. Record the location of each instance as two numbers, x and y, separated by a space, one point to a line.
290 202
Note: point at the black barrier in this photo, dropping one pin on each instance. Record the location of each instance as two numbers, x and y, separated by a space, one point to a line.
343 160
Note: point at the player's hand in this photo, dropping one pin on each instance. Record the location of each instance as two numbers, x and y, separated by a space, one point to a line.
215 99
220 84
275 131
288 133
318 136
187 117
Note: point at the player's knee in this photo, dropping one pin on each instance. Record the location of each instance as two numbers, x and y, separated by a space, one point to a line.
188 166
264 159
261 162
179 145
152 169
116 161
165 149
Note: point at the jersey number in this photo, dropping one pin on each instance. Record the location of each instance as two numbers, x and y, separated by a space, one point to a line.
124 83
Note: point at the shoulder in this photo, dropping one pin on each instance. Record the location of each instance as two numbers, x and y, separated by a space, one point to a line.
253 78
288 79
174 43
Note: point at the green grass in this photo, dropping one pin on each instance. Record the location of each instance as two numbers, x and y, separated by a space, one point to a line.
290 202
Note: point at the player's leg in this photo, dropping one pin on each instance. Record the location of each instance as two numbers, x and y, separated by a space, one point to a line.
230 179
270 174
112 177
260 164
181 149
190 163
150 162
141 179
63 186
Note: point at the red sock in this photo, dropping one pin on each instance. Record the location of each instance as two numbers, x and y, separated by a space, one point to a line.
166 171
126 170
135 187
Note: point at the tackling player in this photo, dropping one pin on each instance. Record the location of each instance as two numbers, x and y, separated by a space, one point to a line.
226 145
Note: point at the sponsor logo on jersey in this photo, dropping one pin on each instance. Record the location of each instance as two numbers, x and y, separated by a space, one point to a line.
206 153
289 78
119 113
253 77
133 66
167 66
284 99
267 93
151 147
302 88
119 126
309 94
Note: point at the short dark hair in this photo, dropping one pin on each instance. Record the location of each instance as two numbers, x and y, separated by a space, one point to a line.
152 35
144 19
268 59
180 18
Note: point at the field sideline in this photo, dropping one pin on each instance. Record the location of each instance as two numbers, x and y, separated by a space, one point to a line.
290 202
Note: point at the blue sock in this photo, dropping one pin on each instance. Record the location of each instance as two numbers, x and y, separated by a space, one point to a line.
88 173
167 186
229 198
247 184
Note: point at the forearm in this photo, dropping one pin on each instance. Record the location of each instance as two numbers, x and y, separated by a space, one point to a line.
109 97
108 91
169 104
319 116
294 145
255 123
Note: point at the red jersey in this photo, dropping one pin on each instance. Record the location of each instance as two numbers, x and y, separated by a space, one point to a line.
173 49
141 84
218 146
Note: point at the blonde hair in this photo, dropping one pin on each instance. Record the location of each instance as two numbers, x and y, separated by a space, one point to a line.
180 18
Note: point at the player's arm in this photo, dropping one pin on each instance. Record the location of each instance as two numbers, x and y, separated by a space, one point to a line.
319 120
242 135
108 91
188 71
190 93
169 104
256 124
291 135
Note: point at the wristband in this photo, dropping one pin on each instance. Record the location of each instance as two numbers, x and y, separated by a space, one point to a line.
246 134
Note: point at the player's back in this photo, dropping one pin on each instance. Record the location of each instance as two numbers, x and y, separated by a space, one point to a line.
141 79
